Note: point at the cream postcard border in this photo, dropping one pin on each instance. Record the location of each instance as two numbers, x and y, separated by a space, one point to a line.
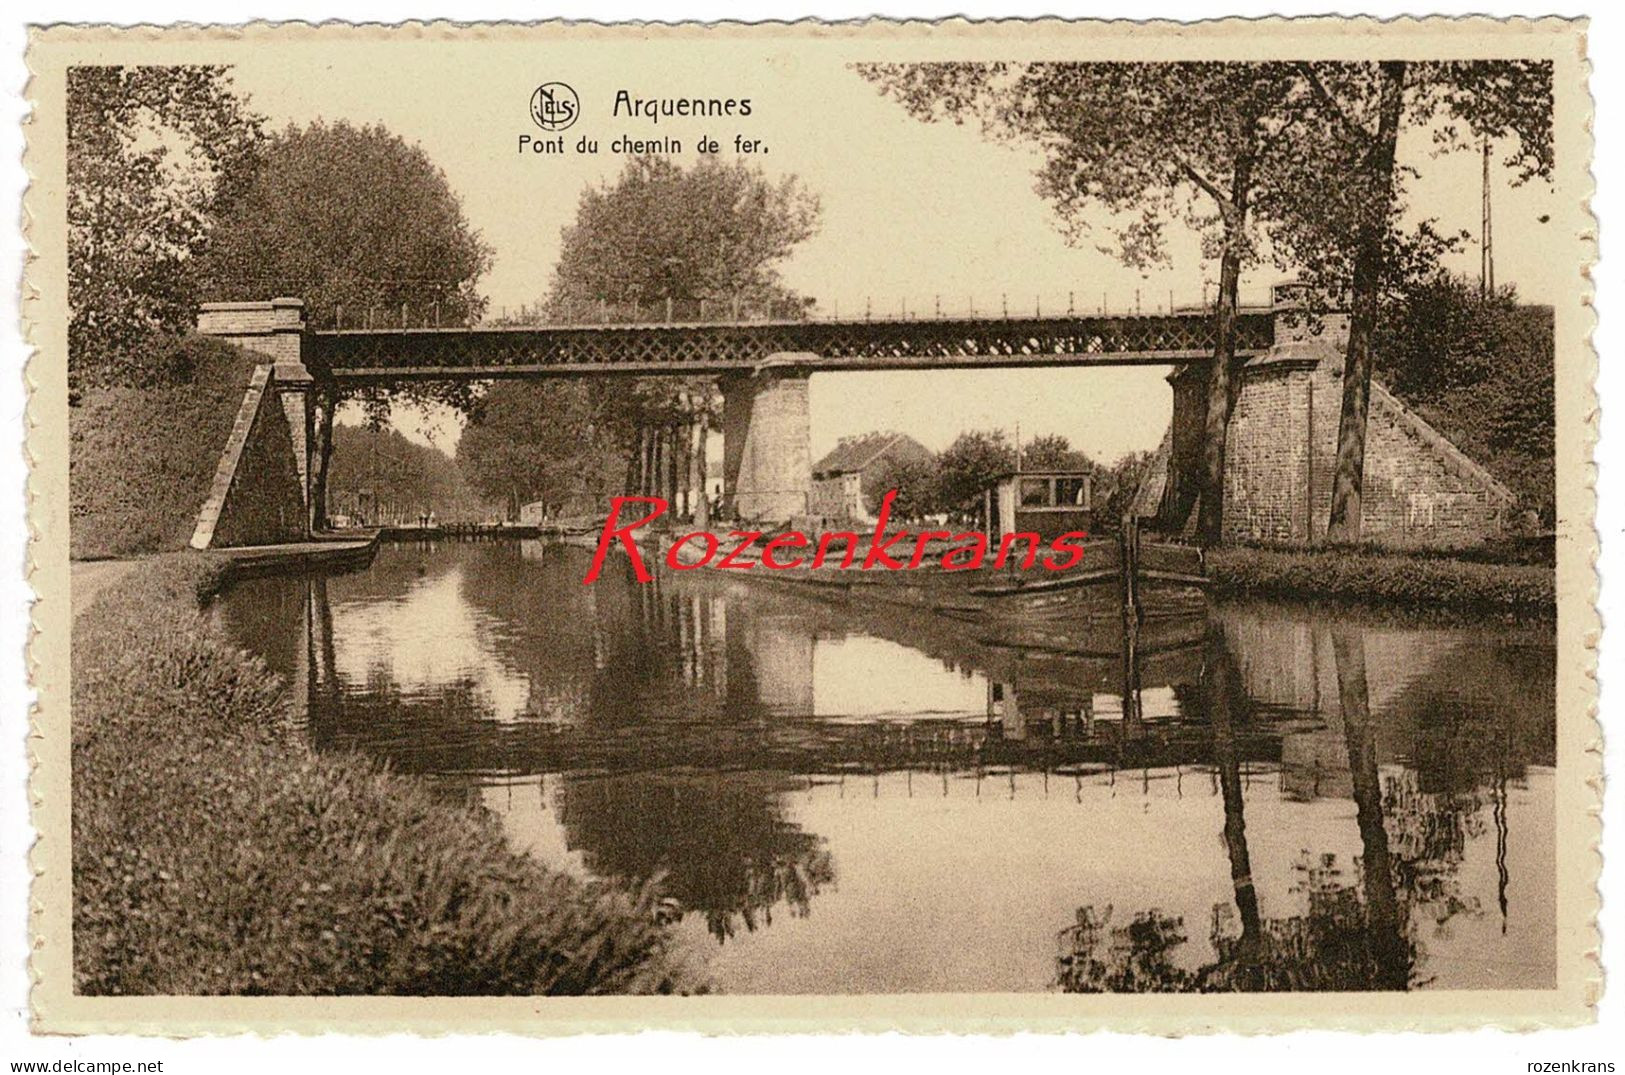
1579 770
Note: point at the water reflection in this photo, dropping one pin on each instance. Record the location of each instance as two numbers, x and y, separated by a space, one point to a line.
837 800
722 845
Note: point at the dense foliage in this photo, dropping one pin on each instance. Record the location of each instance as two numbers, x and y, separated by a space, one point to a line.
714 232
377 475
912 479
154 155
701 243
354 218
141 459
214 853
1294 161
969 465
1480 370
1135 150
1345 235
541 441
176 195
363 226
952 482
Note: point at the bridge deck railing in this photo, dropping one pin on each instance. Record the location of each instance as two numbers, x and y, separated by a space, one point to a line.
565 313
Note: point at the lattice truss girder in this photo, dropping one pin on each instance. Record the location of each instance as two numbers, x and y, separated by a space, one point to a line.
737 346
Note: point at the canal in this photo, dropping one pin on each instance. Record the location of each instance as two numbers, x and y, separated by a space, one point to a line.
841 800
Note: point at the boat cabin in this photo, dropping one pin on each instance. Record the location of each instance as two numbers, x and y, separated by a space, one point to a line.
1043 502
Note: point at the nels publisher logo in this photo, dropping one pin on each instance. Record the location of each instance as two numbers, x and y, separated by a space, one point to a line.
554 106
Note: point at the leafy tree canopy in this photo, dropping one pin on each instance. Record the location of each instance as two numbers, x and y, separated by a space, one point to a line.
1328 199
711 234
915 480
351 217
380 474
969 465
714 232
1052 451
154 155
358 222
537 441
707 242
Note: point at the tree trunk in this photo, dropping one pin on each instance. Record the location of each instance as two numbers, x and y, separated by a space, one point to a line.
645 458
1220 687
657 464
702 503
682 503
683 493
320 454
1220 392
629 482
1384 920
1372 233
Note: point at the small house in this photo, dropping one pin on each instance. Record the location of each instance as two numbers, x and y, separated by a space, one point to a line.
856 472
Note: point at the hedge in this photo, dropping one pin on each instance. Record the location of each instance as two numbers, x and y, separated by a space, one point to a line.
215 853
140 460
1421 581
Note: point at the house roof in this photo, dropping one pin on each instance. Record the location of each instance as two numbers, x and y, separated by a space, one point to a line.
857 453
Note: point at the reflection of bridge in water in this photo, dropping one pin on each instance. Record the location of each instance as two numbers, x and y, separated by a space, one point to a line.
695 732
697 672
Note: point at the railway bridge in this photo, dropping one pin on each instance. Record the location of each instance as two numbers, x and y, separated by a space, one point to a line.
762 367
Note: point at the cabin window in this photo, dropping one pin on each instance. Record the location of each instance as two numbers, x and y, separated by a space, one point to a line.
1035 493
1072 492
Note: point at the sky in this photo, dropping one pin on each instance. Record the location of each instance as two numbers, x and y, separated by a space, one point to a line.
911 212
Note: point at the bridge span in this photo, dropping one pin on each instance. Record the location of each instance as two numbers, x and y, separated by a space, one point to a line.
762 368
391 355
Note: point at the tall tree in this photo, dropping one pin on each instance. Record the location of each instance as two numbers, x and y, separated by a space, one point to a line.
701 243
154 154
538 442
912 478
351 219
1342 223
968 466
1149 144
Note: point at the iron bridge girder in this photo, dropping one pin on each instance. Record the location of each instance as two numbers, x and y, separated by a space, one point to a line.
579 350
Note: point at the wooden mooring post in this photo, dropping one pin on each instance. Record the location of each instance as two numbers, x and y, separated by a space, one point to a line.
1128 544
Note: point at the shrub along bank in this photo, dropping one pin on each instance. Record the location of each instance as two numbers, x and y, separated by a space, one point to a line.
213 852
141 459
1389 578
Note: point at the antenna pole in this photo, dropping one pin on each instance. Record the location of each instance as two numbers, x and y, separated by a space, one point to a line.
1486 248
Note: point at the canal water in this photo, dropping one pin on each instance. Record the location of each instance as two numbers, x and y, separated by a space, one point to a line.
840 800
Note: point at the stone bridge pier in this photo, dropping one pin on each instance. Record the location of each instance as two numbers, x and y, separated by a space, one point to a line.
259 495
766 457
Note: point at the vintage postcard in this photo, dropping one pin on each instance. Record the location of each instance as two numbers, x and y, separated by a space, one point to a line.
931 526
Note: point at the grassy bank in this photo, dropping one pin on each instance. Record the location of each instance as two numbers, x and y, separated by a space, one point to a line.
214 853
140 460
1415 580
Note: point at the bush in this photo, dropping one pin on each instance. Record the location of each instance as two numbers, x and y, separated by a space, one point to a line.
1355 575
140 460
213 852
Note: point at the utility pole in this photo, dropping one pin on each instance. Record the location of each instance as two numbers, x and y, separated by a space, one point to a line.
1486 246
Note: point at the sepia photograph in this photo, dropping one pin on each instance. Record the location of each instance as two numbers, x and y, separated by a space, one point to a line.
955 525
